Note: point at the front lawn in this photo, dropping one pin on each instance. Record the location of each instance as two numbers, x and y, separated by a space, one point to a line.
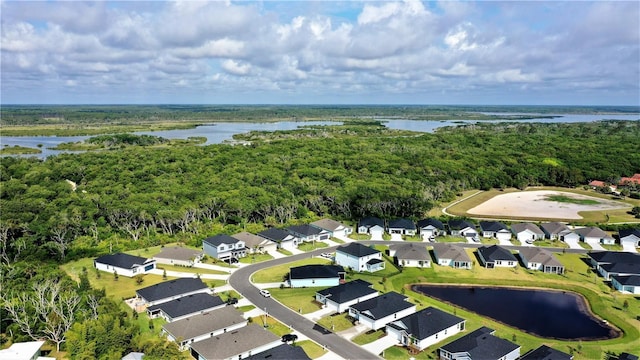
272 324
277 273
337 241
190 270
310 246
255 258
356 236
336 323
312 349
300 300
367 337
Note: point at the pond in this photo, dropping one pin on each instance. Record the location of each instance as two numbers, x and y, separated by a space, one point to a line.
545 313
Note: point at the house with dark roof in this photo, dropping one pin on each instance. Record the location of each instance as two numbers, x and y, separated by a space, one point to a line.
546 353
410 255
171 290
535 258
430 228
626 283
124 264
554 230
237 344
495 230
359 257
186 306
447 254
307 233
598 259
402 226
282 238
282 352
594 235
627 356
255 243
316 275
178 256
425 328
527 232
620 269
335 228
464 228
203 326
377 312
371 225
630 238
480 344
496 256
224 247
344 295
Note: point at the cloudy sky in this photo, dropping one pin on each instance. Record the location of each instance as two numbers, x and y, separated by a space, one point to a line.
320 52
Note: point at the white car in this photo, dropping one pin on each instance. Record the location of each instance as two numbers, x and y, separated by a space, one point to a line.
326 255
265 293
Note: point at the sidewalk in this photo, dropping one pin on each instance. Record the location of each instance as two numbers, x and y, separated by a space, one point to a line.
214 267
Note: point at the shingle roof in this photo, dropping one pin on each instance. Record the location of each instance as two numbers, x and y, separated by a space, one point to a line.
494 226
304 230
315 271
614 256
496 252
554 227
426 322
282 352
356 249
348 291
188 305
546 353
450 251
122 260
627 356
374 261
411 251
383 305
328 224
431 221
402 224
178 253
171 288
250 240
197 325
631 280
275 235
221 239
234 342
456 224
627 232
371 221
593 232
481 344
622 268
520 227
540 255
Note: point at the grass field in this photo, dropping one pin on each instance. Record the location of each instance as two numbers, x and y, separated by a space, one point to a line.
255 258
336 323
300 300
276 273
310 246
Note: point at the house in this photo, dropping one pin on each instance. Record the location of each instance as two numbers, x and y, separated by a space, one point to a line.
308 233
372 226
535 258
599 258
633 180
626 283
179 256
282 352
344 295
237 344
203 326
430 228
570 237
598 184
316 275
255 243
335 228
124 264
546 353
621 269
282 239
480 344
451 255
554 230
359 257
630 237
527 232
402 226
224 247
171 290
133 356
410 254
462 228
425 328
495 229
377 312
627 356
594 235
29 350
186 306
496 256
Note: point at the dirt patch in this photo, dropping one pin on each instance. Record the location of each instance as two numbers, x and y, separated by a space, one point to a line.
537 204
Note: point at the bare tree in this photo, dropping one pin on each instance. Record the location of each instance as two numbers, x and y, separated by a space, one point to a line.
93 301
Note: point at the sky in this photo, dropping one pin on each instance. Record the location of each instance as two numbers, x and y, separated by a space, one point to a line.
320 52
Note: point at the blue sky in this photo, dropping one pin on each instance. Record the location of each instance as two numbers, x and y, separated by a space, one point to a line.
320 52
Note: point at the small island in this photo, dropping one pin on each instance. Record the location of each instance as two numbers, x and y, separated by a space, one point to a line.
18 150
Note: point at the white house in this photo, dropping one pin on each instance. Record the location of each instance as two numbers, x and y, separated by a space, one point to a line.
124 264
480 344
410 254
496 230
255 243
377 312
447 254
237 344
203 326
359 257
29 350
402 226
372 226
224 247
430 228
594 235
554 230
308 233
344 295
282 239
458 227
425 328
316 275
171 290
334 227
527 232
626 283
535 258
496 256
179 256
630 238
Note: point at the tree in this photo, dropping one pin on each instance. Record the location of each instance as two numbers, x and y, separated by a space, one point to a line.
636 211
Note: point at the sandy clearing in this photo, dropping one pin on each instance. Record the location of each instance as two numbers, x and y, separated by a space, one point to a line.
534 204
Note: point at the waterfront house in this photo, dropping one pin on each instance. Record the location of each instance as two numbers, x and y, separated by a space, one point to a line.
601 258
496 256
316 275
425 328
446 254
377 312
535 258
359 257
224 247
402 226
410 254
124 264
626 283
344 295
544 352
480 344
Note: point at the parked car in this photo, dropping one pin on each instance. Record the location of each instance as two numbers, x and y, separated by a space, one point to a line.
265 293
289 337
232 301
327 255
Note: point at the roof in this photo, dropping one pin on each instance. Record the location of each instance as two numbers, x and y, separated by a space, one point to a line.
371 221
631 280
178 253
188 305
374 261
411 251
633 179
554 227
220 239
282 352
201 324
457 224
431 221
481 344
614 256
304 230
315 271
383 305
593 232
122 260
541 256
495 253
426 322
598 183
171 288
546 353
348 291
627 356
450 251
250 240
628 232
494 226
275 235
133 356
328 224
402 223
21 351
356 249
234 342
622 268
520 227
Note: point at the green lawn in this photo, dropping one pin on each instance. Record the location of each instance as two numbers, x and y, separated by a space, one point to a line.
276 273
450 239
273 325
336 323
310 246
255 258
400 353
285 252
571 200
551 243
190 270
368 337
356 236
246 308
312 349
337 241
300 300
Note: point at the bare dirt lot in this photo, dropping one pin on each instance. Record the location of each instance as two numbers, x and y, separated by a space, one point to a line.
535 204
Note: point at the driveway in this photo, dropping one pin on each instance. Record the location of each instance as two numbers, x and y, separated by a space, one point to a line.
381 344
629 247
317 315
573 244
503 242
396 237
376 237
596 246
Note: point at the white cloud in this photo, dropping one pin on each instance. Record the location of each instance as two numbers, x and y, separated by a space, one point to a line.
235 68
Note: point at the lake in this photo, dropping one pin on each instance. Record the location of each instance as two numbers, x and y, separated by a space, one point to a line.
545 313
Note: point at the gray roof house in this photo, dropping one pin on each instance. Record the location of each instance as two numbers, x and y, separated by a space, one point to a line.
595 235
527 232
255 243
546 353
377 312
171 290
344 295
186 306
496 256
535 258
410 254
203 326
307 232
236 344
336 228
179 256
402 226
447 254
554 230
124 264
425 328
282 238
480 344
282 352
